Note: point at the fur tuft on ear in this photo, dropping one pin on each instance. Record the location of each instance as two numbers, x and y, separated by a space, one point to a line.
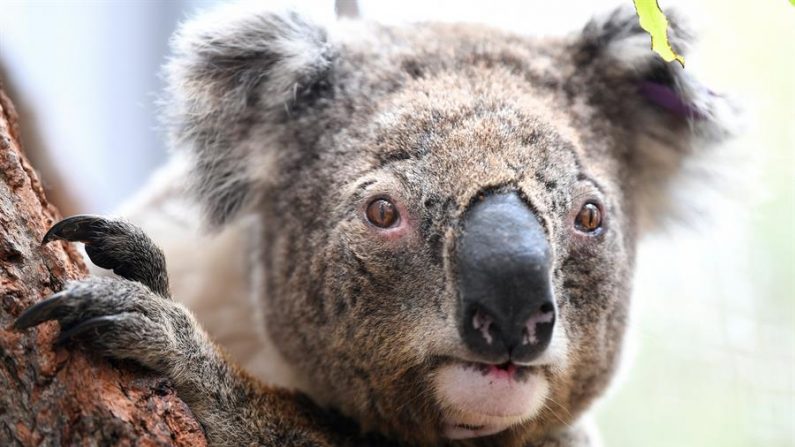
230 67
671 119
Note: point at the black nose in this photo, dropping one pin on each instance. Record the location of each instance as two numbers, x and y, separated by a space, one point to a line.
506 311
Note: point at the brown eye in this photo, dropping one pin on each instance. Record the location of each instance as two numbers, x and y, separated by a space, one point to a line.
382 213
589 219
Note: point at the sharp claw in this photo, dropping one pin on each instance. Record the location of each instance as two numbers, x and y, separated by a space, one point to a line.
40 312
85 326
75 228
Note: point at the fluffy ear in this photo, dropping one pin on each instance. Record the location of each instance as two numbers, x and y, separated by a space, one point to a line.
232 67
670 119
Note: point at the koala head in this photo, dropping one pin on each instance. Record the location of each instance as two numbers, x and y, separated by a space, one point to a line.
449 212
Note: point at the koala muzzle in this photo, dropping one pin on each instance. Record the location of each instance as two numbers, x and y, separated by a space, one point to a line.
507 311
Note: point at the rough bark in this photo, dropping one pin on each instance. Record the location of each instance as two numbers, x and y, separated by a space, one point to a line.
63 396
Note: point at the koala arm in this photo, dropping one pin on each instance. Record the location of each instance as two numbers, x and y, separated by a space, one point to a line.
220 285
133 317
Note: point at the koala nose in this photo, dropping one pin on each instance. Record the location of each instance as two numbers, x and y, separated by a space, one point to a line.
506 308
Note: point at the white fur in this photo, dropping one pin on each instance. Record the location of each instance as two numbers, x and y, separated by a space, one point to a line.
209 273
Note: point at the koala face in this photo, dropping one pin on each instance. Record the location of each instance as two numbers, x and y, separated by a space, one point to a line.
450 212
445 247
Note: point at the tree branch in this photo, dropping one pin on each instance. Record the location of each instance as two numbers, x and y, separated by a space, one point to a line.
63 396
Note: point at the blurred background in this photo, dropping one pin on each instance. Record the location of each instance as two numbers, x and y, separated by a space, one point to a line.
712 357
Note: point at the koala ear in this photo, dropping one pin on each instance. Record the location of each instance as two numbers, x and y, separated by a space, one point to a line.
233 67
670 119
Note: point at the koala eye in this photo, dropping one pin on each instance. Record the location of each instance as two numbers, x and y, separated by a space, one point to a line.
589 218
382 213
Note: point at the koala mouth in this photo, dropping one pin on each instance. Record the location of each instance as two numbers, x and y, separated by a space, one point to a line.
507 370
481 399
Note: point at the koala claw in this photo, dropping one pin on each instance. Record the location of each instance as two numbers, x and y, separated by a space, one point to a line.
116 245
85 326
82 228
40 312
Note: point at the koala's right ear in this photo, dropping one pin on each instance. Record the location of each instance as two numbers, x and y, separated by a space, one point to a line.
670 119
233 67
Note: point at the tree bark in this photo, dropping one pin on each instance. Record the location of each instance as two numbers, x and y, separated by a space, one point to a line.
63 396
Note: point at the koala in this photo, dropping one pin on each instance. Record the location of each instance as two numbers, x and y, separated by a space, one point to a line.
421 234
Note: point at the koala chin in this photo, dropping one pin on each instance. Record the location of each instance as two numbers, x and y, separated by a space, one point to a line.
412 235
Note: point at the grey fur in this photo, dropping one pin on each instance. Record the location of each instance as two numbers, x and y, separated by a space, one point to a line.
226 75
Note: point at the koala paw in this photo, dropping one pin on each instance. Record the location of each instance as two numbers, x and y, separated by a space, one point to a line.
131 317
113 317
116 245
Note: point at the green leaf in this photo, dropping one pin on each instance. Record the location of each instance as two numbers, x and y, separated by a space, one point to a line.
654 22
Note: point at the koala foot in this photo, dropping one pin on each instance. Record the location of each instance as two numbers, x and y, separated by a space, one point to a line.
124 319
132 317
116 245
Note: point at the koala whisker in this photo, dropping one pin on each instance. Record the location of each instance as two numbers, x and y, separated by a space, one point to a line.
418 397
557 416
566 410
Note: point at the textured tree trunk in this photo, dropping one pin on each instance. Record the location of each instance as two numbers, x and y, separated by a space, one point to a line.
63 396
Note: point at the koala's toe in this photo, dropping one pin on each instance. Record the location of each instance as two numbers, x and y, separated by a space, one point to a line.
111 316
98 323
51 308
81 228
86 299
116 245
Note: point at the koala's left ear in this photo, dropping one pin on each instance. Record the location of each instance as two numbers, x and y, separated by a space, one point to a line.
233 69
669 117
